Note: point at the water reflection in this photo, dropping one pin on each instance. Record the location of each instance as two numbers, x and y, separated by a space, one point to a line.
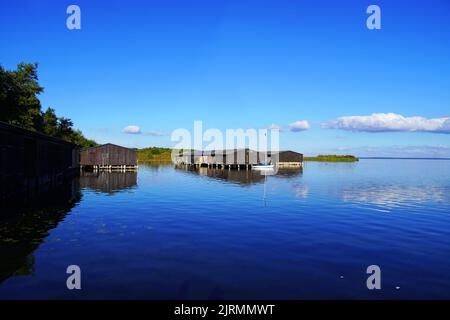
108 182
301 191
166 233
27 224
22 233
289 173
240 177
390 196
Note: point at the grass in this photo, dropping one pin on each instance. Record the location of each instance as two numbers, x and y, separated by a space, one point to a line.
332 158
154 154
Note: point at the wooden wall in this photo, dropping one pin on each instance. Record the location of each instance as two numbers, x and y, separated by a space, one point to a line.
108 155
241 156
32 162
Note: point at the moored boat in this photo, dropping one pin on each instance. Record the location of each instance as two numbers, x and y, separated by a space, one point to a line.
263 167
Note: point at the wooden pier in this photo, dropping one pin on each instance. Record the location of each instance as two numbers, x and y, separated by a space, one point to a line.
238 159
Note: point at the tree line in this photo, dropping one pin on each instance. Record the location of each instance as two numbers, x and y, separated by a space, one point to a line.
332 158
20 106
155 154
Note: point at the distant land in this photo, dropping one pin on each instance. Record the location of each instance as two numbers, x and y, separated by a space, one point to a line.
154 154
157 154
332 158
404 158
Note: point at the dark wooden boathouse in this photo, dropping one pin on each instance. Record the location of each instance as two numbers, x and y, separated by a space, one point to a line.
290 159
32 163
238 158
108 156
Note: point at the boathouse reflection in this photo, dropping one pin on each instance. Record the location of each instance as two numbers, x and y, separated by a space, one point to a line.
241 177
108 181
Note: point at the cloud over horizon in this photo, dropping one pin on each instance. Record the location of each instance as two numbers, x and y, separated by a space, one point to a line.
131 129
298 126
390 122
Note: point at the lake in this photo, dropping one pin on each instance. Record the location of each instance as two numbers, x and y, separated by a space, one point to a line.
168 233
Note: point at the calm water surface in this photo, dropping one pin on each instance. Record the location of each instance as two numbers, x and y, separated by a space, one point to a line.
166 233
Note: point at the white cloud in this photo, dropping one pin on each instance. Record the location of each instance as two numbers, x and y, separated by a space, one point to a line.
298 126
132 129
384 122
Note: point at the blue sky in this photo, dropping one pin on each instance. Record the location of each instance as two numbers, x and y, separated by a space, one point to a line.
160 65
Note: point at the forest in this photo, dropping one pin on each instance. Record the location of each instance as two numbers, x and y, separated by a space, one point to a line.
20 106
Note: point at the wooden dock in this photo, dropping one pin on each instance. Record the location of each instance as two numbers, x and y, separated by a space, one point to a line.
238 159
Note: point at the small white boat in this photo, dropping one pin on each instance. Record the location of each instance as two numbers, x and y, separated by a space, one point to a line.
262 167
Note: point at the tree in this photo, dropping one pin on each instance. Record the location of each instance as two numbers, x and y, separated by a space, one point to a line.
64 128
78 138
19 105
49 123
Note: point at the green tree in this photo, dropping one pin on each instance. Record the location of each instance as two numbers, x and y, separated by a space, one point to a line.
19 105
64 128
49 123
78 138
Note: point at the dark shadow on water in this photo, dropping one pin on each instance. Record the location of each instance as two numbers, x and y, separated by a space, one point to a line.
27 224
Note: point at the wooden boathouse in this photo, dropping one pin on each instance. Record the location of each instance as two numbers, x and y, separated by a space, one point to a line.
238 158
108 157
287 159
32 163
